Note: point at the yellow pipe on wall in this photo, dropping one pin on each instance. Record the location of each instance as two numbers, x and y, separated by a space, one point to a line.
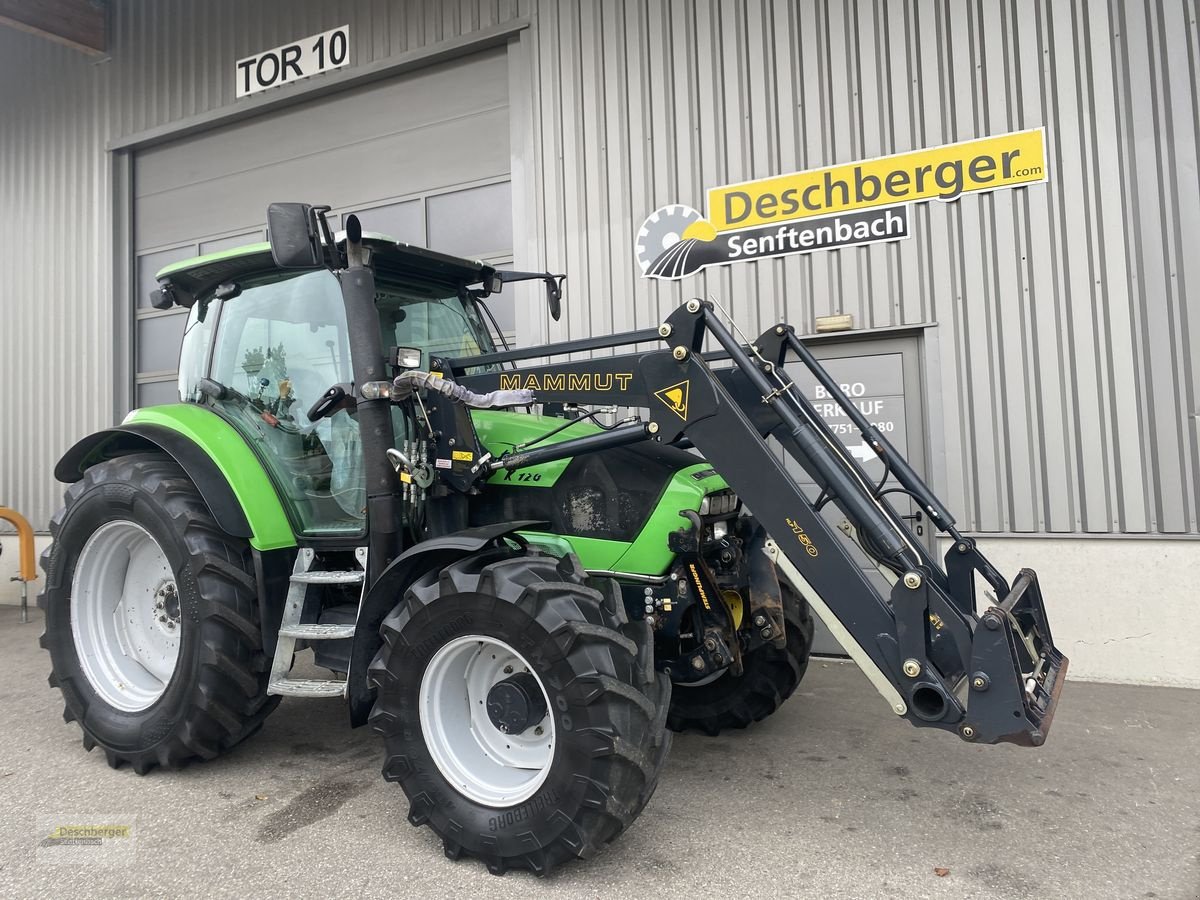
25 535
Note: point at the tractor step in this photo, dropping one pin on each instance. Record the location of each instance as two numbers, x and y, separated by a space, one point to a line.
317 632
353 576
292 629
307 687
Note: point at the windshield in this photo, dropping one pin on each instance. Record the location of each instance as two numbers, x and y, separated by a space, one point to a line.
435 319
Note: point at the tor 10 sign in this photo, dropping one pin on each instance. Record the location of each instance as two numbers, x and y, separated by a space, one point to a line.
293 62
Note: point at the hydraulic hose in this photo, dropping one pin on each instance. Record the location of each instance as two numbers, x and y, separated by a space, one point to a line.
407 383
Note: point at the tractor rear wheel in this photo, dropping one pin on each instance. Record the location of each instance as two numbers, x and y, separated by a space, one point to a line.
769 677
520 709
152 618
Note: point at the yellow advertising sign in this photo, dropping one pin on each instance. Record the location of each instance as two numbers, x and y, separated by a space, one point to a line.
936 173
835 208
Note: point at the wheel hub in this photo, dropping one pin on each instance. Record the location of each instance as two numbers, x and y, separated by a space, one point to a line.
516 703
484 719
166 606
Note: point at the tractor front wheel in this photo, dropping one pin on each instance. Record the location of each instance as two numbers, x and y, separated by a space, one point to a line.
152 618
520 709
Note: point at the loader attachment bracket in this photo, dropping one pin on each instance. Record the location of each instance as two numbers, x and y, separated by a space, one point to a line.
718 646
1017 673
963 560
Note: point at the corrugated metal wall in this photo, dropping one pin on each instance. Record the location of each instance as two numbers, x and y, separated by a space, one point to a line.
174 58
1067 376
1065 312
56 313
58 110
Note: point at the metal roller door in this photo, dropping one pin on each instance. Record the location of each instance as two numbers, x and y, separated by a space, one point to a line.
424 157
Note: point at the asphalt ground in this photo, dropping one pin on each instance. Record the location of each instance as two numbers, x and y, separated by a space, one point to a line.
832 797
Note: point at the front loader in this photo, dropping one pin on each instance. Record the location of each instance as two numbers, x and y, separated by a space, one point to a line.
522 598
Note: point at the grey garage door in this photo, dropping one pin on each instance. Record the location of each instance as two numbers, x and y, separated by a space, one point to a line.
424 157
883 378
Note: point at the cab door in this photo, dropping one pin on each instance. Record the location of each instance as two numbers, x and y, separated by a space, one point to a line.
278 346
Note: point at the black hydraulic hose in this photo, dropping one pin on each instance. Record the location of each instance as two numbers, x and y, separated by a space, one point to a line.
902 471
830 470
849 464
552 432
495 325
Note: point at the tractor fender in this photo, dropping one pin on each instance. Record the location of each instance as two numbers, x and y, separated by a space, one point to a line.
235 488
200 469
389 589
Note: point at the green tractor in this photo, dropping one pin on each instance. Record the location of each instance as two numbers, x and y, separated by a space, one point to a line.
522 596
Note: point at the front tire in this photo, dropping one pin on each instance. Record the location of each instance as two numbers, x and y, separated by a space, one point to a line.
770 675
152 618
588 740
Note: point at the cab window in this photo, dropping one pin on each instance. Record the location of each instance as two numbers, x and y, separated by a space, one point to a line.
279 345
438 321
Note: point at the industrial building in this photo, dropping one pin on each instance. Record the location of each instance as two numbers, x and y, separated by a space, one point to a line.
1032 347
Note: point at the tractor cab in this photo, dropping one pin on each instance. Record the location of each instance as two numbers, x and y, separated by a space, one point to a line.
263 345
269 349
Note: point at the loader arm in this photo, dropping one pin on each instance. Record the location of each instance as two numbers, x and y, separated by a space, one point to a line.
991 677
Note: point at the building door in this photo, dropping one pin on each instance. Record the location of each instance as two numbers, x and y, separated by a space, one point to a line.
883 378
424 157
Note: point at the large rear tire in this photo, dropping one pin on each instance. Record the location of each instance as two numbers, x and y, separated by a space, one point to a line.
582 753
152 618
770 675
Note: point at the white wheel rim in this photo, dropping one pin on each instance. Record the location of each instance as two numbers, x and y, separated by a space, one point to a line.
479 760
707 679
125 616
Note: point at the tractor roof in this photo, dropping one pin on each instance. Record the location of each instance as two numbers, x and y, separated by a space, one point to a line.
389 256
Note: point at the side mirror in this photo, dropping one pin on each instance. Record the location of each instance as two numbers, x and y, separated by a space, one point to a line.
554 295
292 231
554 286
